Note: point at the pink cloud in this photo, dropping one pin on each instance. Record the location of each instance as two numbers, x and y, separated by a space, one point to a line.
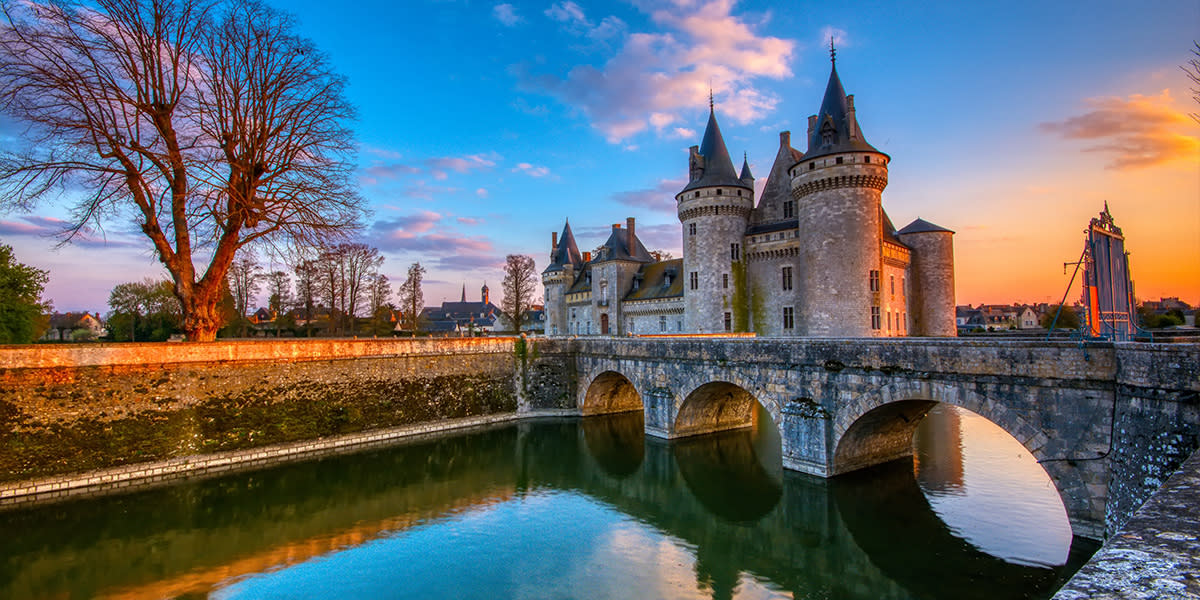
506 14
531 170
1140 131
659 199
656 77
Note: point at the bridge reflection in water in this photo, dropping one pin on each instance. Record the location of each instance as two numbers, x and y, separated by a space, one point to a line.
575 508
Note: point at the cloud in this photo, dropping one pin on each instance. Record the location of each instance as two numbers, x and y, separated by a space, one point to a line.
37 226
506 14
421 232
655 78
683 132
424 191
438 167
531 170
840 40
659 199
481 192
1140 131
469 220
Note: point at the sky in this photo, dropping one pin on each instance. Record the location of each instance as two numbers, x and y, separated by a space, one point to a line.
482 126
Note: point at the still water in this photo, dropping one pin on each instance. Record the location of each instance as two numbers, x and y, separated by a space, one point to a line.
569 509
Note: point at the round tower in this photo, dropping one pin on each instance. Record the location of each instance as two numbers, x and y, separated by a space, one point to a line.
931 299
565 262
837 186
714 209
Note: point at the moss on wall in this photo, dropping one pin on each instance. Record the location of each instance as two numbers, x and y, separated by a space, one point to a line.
741 316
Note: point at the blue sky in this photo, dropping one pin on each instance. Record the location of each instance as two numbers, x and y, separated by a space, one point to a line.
483 125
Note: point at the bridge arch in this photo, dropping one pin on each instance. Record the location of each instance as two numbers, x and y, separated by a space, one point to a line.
610 392
878 427
719 406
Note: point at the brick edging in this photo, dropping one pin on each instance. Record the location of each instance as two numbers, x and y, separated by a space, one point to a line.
153 474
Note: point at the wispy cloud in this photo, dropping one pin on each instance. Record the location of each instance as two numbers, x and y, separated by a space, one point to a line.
507 15
1140 131
655 77
439 167
51 227
531 170
424 191
424 232
572 16
659 199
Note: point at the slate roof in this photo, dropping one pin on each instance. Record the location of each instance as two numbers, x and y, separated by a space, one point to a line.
653 281
718 167
773 227
835 115
567 252
778 188
617 248
922 226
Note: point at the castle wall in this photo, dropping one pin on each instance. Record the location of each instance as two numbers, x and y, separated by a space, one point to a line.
838 209
720 222
933 283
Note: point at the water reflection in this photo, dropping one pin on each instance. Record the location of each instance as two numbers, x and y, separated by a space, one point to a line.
584 509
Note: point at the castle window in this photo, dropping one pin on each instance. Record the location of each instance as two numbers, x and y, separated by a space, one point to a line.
787 278
718 191
691 229
679 326
789 209
789 318
904 322
725 280
728 322
875 282
875 318
840 160
812 165
739 192
695 280
867 159
892 282
889 320
735 251
662 324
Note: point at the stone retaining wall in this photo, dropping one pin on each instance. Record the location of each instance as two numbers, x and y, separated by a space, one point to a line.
83 408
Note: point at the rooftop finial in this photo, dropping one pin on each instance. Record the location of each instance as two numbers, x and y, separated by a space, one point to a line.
832 51
711 105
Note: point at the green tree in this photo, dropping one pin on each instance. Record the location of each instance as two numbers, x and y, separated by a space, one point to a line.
143 311
211 122
1068 319
23 315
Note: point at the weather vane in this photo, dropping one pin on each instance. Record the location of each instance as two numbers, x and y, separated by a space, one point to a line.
832 50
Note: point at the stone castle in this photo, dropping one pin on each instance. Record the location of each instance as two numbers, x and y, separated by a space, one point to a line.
816 256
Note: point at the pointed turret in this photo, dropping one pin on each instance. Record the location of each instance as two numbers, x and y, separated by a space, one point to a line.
563 250
710 164
747 177
464 295
834 128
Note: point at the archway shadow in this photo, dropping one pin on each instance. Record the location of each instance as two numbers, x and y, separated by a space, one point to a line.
724 472
616 441
610 392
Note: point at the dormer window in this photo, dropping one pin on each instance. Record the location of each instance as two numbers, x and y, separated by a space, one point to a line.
828 134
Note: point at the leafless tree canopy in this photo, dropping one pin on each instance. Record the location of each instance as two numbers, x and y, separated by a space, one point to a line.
245 281
1192 68
520 285
412 299
208 122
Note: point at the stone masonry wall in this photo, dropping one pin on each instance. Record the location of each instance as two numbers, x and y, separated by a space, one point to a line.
81 408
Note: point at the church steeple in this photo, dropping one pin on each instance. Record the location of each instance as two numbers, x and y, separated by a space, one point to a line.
464 295
563 250
834 129
747 177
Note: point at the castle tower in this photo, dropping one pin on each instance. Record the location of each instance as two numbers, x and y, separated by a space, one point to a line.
613 270
837 187
714 208
565 262
931 300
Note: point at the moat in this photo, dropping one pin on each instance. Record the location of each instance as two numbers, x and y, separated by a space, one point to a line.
570 508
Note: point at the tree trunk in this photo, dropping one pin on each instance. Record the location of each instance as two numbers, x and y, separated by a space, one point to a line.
202 314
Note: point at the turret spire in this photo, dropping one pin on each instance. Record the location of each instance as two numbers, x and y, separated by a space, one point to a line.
832 51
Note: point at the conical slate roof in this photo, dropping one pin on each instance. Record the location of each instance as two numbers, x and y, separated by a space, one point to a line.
718 166
567 252
832 132
618 248
922 226
746 176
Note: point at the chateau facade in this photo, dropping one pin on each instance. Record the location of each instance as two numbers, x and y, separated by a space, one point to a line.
816 255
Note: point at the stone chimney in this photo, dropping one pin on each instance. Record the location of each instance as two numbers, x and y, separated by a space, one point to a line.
587 257
785 139
851 122
629 229
812 124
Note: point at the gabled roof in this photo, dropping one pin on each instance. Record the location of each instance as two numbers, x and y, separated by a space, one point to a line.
922 226
835 116
567 252
653 283
778 188
718 167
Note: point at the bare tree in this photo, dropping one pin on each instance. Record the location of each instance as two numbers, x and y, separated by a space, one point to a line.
279 291
661 255
412 299
307 289
380 303
210 123
361 261
245 278
520 283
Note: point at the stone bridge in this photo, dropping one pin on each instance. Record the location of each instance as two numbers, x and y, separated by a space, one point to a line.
1108 422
